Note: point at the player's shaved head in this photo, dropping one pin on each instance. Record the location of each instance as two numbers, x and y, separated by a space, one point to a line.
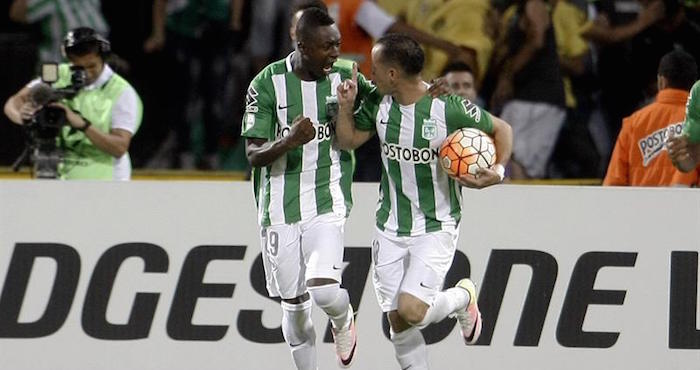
309 23
401 51
308 4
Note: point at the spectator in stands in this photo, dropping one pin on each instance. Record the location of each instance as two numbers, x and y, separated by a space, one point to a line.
465 23
529 92
359 22
198 37
268 34
576 154
56 18
627 51
460 77
638 158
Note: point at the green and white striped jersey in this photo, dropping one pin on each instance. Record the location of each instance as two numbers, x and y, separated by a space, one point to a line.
57 17
416 195
312 179
691 126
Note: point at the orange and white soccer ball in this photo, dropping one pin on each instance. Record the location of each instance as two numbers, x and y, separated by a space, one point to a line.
466 150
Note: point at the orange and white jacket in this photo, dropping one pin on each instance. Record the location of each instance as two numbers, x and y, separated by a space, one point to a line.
639 157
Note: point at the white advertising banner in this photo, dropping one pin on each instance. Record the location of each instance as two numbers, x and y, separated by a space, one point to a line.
167 275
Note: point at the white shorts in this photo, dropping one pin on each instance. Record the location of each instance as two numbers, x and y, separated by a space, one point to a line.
295 253
416 265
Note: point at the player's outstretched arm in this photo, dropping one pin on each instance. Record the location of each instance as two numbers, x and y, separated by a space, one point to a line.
346 134
503 140
261 152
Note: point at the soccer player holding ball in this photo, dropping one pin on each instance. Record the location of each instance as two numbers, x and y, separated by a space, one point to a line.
419 207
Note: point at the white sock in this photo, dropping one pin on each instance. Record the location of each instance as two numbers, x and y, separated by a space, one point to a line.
410 349
445 303
299 333
334 301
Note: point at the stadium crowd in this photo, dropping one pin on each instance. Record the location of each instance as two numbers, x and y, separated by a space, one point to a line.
563 73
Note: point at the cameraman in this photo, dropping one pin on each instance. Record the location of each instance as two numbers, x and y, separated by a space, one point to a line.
101 117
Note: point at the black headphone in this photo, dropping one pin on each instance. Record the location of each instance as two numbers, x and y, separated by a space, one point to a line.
83 35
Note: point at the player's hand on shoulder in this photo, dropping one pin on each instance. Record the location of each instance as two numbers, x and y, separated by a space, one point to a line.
301 132
438 87
484 177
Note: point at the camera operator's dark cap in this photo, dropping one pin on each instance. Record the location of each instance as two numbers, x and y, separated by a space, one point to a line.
81 38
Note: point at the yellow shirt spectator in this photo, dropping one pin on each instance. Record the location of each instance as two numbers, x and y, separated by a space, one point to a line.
569 22
461 22
393 7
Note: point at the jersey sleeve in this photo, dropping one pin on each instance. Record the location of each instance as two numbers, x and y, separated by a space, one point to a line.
460 112
365 88
259 119
691 126
366 113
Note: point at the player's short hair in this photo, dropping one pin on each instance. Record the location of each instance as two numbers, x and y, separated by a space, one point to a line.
308 4
310 21
402 51
457 67
679 68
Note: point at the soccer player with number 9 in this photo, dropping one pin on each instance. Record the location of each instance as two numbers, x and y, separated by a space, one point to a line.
302 185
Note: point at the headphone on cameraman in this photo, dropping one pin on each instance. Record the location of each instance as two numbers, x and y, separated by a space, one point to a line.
83 35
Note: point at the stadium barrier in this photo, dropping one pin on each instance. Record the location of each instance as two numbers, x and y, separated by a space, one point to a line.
167 275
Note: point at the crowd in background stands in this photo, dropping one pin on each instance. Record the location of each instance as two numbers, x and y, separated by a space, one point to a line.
563 73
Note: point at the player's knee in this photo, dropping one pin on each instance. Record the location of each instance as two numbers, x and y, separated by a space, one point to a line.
324 295
397 323
411 314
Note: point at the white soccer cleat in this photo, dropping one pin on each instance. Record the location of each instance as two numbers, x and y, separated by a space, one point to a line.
469 317
345 339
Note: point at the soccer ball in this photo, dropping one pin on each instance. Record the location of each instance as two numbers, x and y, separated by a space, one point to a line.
466 150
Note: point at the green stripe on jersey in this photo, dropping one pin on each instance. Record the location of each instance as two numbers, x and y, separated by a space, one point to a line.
324 202
403 204
424 171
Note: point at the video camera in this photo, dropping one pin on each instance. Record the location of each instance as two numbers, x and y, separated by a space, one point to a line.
44 144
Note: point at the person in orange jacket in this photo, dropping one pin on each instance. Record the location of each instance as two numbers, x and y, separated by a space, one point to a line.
636 159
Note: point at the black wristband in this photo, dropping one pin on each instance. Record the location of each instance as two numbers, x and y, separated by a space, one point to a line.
87 125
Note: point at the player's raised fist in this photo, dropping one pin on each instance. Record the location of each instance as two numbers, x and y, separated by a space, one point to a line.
301 132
